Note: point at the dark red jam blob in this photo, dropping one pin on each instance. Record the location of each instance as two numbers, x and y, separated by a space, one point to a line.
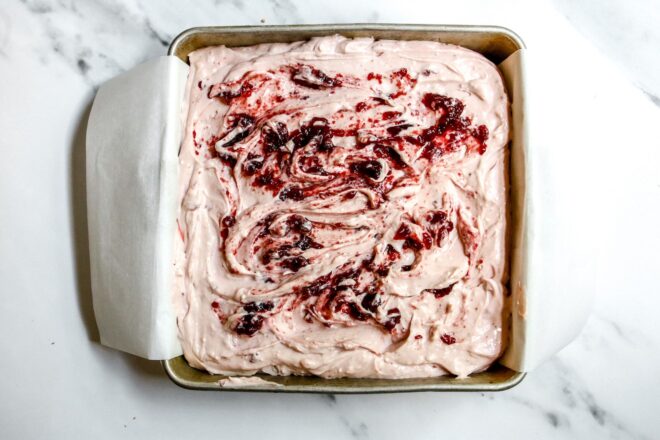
353 311
396 129
390 115
412 243
317 286
267 221
403 232
308 76
317 131
292 193
383 271
268 180
228 221
305 243
257 307
368 168
401 73
371 76
249 324
427 241
227 159
275 135
402 80
241 128
452 107
448 339
436 217
294 264
252 165
393 319
345 276
443 231
226 92
481 135
349 195
392 254
439 293
298 223
276 254
370 302
387 152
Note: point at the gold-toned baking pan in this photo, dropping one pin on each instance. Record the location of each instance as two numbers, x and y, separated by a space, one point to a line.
497 378
496 44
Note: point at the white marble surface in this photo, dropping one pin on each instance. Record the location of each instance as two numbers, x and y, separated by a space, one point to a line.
595 69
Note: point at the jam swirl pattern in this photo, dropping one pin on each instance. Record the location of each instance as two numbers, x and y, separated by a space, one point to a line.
335 200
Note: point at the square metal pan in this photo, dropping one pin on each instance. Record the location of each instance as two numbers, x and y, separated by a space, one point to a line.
496 44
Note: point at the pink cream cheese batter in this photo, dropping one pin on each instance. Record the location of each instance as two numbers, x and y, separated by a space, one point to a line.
343 210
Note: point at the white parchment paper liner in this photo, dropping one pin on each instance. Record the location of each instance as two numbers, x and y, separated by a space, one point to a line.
544 318
132 145
133 139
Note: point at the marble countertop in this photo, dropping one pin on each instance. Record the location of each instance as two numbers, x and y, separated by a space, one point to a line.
595 70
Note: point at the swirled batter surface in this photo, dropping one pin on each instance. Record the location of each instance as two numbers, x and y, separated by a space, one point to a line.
343 210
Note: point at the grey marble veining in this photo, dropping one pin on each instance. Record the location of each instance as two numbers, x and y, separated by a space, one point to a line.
626 31
598 133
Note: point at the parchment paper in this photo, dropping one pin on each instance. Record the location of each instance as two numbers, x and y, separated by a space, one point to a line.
133 139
